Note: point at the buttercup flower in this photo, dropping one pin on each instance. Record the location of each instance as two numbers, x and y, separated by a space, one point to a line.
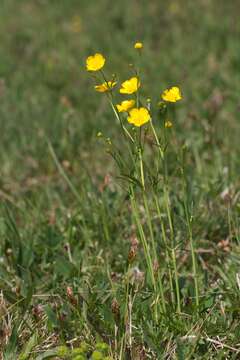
168 124
138 117
138 45
95 62
106 86
172 95
130 86
126 105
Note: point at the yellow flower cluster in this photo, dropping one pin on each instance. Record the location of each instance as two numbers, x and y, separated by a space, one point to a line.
137 116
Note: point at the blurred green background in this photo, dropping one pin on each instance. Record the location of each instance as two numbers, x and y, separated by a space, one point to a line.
46 93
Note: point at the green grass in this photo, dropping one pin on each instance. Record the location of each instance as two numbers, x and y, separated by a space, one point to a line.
65 278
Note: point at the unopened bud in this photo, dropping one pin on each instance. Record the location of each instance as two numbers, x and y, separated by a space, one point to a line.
131 254
168 124
115 309
71 297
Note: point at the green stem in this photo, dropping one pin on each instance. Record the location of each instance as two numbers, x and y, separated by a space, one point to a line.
166 201
146 251
166 247
190 232
173 253
141 168
194 264
161 153
149 222
193 256
120 120
142 237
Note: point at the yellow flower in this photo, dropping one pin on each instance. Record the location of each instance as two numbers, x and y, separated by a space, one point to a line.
130 86
138 117
168 124
95 62
106 86
172 95
126 105
138 45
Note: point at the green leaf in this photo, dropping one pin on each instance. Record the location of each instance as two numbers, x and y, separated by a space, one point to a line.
48 354
28 347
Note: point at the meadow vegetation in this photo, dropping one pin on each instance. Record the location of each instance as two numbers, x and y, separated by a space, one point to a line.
119 239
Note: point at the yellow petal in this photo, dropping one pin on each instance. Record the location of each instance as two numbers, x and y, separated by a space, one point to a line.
138 45
95 62
168 124
138 117
172 95
126 105
130 86
106 86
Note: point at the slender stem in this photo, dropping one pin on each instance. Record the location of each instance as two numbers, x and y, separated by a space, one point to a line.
157 140
110 98
166 201
149 222
126 133
154 249
120 120
193 256
141 168
194 264
147 257
166 247
173 253
143 238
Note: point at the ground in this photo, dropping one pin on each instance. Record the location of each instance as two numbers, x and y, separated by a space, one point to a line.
66 225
